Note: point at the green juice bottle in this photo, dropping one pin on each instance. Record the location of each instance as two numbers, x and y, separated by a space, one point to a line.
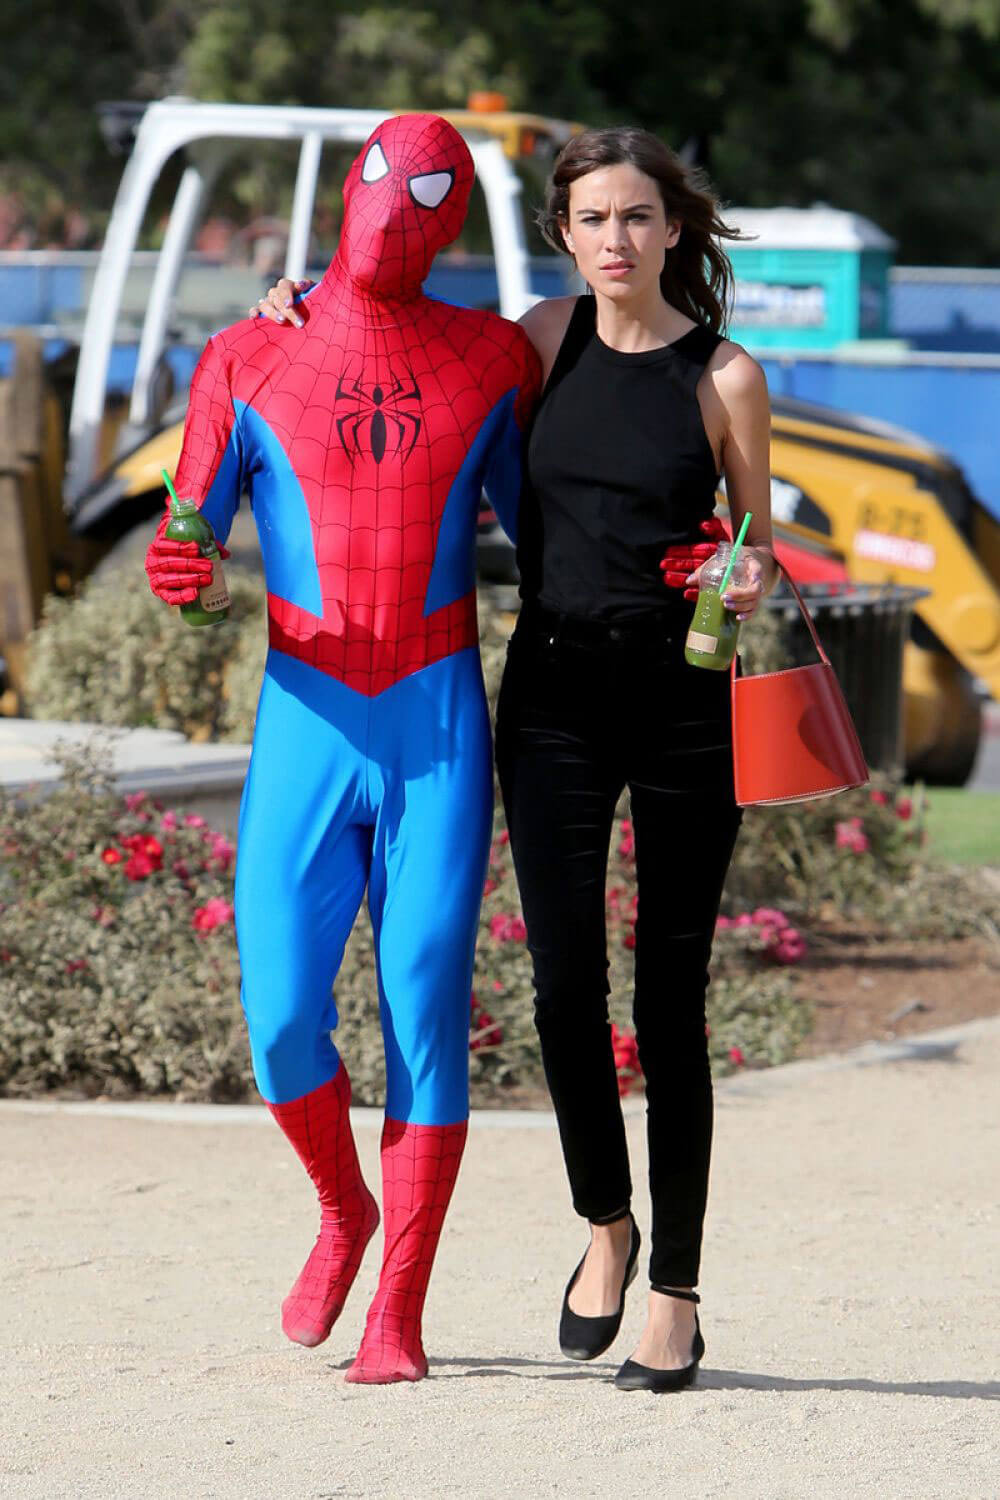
714 632
187 524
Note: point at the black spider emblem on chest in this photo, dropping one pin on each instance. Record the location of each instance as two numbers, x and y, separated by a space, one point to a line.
378 420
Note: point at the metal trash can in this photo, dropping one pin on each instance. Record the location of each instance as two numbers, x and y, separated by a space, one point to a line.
864 628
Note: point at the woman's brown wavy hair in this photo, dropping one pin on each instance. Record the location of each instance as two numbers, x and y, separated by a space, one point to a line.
697 277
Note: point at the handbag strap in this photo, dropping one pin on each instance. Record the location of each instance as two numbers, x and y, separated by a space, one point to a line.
805 613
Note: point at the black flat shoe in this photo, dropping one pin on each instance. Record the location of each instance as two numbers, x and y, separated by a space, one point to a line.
635 1377
586 1338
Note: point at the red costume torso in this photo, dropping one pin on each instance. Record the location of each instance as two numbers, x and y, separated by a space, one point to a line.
371 414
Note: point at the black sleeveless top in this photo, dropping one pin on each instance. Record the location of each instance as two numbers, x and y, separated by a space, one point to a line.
619 467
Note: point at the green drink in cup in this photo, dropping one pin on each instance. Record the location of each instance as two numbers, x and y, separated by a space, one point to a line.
187 524
714 630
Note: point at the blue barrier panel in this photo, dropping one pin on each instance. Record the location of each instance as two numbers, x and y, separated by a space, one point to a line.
39 291
959 312
181 358
954 406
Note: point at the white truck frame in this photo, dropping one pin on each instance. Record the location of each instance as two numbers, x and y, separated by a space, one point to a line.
210 134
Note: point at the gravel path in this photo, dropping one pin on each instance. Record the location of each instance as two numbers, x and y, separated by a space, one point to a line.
850 1309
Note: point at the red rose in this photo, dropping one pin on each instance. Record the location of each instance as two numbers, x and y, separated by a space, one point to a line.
212 914
139 866
850 835
111 856
222 850
507 929
485 1033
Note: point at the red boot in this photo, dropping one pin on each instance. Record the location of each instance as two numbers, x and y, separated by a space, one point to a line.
419 1167
319 1128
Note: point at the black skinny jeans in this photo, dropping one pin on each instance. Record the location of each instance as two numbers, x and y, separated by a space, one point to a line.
586 709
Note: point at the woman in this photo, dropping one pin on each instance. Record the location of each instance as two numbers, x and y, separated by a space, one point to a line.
644 406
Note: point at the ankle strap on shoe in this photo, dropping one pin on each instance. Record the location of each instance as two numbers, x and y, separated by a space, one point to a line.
672 1291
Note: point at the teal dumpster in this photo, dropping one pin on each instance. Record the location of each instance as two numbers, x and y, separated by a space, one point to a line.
811 278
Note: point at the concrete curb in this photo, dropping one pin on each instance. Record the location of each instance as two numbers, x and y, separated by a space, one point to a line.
931 1046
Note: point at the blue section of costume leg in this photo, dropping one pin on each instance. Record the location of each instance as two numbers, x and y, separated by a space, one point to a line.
394 792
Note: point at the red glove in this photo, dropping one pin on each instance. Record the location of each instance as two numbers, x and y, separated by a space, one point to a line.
176 570
681 561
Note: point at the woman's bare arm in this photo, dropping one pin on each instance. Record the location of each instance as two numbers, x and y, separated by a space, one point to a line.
738 417
546 324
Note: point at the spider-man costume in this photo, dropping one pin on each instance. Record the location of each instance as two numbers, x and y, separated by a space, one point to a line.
363 443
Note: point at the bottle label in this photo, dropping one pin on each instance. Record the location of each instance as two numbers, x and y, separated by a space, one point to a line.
215 595
698 641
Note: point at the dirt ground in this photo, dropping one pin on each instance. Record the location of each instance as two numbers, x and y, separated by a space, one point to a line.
875 989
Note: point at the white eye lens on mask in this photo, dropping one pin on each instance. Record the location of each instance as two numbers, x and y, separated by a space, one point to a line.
431 189
375 165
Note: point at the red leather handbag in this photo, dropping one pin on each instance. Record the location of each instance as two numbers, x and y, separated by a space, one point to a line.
793 737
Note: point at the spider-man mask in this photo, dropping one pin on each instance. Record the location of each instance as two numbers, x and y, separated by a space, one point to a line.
404 199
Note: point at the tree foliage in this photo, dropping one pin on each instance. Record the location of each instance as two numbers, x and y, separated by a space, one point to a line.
887 107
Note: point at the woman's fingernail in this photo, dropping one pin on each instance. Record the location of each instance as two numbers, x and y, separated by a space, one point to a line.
298 322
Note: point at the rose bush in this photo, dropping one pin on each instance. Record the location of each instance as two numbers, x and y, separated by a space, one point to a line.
118 967
110 982
115 654
119 972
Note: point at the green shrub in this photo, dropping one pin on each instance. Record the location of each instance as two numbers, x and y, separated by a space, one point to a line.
115 654
858 857
119 972
117 969
111 982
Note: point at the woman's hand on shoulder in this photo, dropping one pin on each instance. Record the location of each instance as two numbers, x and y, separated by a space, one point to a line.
546 324
278 304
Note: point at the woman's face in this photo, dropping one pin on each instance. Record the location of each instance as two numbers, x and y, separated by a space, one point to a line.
618 231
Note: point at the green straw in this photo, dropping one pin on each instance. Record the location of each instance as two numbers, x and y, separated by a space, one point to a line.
169 485
736 551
